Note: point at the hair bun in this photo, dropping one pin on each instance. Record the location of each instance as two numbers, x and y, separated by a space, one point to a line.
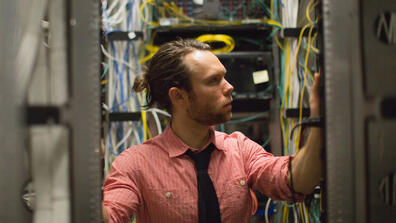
139 84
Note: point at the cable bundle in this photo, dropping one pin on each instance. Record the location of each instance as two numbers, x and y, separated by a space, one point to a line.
227 40
296 80
120 69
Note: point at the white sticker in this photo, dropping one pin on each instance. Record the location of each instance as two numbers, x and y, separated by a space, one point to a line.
260 76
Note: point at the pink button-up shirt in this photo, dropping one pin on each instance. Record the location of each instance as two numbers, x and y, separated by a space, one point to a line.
156 181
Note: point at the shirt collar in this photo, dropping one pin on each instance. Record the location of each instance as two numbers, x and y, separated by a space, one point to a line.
176 147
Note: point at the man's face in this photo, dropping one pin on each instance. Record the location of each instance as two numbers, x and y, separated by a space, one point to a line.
210 98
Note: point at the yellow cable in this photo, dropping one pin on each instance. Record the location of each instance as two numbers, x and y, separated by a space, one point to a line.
310 10
306 212
288 91
309 72
287 214
273 22
298 47
302 91
145 128
302 213
305 74
142 6
291 70
307 11
283 105
277 42
227 40
149 47
161 11
282 127
146 132
176 11
152 49
284 214
141 11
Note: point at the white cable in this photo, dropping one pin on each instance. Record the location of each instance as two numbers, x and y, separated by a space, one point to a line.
118 16
159 111
289 205
113 58
105 107
106 160
137 136
113 137
120 10
123 139
157 121
289 19
295 214
122 46
112 5
266 210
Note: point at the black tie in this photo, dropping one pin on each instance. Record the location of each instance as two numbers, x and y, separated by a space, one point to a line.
208 205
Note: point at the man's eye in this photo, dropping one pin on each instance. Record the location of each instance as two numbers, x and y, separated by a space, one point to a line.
215 80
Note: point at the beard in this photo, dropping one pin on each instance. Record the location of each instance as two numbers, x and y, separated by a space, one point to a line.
206 114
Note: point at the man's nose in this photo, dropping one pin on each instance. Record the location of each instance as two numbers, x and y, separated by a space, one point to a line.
228 88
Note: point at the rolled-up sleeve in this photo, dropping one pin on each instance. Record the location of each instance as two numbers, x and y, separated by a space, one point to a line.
121 196
265 172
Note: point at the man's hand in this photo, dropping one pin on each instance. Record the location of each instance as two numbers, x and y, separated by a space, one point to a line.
307 165
314 100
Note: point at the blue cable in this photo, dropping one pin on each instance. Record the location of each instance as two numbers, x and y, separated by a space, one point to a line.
130 23
109 142
126 58
301 78
266 142
138 72
111 31
130 17
140 131
120 131
119 74
222 128
281 3
116 83
104 71
247 118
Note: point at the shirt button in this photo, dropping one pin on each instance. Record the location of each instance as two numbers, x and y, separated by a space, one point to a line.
242 182
167 194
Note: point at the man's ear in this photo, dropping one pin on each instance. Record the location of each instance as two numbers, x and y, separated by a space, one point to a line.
177 96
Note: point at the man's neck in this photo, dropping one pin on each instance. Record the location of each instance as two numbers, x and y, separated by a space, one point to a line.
193 134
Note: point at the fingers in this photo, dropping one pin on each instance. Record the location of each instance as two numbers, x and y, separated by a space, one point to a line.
314 102
315 85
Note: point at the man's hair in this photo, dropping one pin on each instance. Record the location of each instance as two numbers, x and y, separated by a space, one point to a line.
166 70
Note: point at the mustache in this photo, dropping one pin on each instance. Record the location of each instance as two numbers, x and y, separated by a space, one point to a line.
228 101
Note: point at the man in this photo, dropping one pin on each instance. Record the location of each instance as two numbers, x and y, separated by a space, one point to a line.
158 180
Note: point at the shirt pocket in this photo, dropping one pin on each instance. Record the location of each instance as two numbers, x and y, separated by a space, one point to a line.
171 205
235 200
